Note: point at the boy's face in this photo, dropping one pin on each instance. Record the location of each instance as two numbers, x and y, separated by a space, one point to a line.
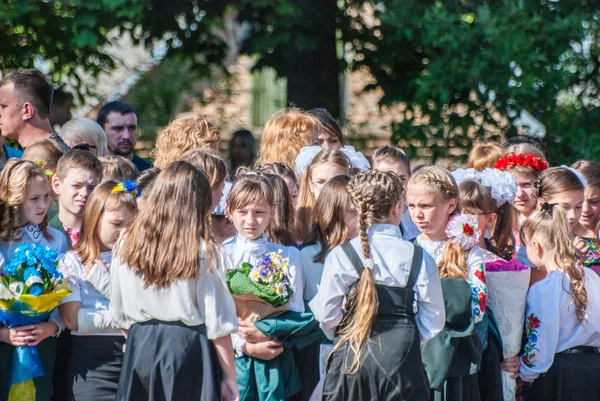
74 190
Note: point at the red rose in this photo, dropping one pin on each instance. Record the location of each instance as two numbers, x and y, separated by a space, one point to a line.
480 275
482 301
467 229
533 321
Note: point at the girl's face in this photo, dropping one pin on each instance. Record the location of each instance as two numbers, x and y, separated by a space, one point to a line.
571 201
429 211
37 202
400 169
328 141
591 208
484 221
292 187
525 197
321 173
351 221
217 193
252 220
110 226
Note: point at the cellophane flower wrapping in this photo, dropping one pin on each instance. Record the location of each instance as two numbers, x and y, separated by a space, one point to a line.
263 290
508 283
30 289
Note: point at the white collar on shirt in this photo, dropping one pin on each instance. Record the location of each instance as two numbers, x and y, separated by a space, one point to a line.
256 247
34 232
385 229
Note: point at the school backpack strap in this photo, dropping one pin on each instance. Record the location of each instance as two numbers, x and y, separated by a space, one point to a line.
356 261
415 266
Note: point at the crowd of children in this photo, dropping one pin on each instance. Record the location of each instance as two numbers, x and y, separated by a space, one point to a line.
407 284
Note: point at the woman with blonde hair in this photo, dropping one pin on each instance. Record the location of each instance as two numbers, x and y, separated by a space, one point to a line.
85 134
181 135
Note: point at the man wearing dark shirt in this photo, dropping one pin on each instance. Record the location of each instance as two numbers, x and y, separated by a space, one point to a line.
25 99
119 121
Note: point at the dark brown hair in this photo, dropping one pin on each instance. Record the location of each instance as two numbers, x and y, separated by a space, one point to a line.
33 87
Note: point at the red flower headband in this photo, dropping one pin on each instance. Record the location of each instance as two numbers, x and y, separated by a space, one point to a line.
521 159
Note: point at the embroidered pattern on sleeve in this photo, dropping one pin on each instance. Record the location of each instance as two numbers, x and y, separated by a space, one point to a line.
479 291
533 324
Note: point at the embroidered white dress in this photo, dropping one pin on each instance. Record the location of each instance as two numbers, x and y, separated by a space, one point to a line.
551 322
475 276
393 257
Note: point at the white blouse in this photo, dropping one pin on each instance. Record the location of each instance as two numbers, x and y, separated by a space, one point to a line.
93 317
552 324
204 299
475 273
311 270
393 257
240 249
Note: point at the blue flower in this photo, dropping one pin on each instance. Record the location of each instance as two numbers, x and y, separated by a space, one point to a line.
533 338
29 272
35 290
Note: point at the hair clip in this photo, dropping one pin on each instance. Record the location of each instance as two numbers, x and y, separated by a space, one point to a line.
128 186
369 264
47 172
547 207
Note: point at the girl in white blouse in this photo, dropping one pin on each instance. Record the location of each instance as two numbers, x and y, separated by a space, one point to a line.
168 289
96 353
563 313
24 203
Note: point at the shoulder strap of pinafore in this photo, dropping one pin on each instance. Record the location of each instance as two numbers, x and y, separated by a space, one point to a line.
356 261
415 266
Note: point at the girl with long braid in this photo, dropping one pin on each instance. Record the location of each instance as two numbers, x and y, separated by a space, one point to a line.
369 292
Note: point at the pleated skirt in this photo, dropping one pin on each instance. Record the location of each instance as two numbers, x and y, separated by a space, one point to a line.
94 367
169 361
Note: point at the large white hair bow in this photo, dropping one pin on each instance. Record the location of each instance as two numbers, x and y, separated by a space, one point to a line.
502 184
308 153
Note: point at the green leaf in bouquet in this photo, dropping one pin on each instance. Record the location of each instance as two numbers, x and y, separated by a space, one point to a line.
240 284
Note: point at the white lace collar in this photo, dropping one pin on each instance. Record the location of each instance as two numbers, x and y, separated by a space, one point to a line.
433 248
34 232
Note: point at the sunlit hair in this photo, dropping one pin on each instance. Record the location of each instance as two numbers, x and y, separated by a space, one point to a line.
306 199
484 155
15 177
101 200
392 155
328 228
146 179
286 132
373 193
524 148
438 180
590 171
43 150
78 160
551 230
473 195
209 163
556 180
279 169
171 235
182 135
84 130
248 189
118 168
329 125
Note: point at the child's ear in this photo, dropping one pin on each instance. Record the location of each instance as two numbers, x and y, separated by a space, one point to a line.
452 204
398 208
55 184
491 220
227 214
539 251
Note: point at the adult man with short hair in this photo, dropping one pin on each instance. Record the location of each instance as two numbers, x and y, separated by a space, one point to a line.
25 100
119 121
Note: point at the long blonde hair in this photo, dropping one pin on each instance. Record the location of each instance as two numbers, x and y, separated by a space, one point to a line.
306 199
102 199
171 235
286 132
550 226
453 262
15 177
373 193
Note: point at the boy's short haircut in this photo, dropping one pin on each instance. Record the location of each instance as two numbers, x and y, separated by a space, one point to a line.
118 168
391 154
78 160
43 150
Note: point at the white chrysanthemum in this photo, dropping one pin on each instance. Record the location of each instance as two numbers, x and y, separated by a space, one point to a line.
255 275
280 290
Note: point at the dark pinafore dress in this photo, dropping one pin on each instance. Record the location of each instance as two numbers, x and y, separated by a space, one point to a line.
390 366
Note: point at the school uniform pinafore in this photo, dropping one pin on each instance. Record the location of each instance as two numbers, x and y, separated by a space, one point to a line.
390 366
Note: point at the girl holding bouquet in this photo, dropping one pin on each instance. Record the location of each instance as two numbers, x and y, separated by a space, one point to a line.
587 229
451 239
563 313
168 289
96 355
24 202
384 280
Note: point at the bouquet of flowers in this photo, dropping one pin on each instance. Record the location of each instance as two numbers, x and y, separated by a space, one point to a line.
30 288
261 291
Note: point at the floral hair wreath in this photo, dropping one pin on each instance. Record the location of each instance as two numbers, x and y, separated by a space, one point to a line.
463 231
47 171
128 186
502 184
521 159
308 153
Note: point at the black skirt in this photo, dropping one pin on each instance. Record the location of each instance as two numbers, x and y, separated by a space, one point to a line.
94 367
169 361
572 377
